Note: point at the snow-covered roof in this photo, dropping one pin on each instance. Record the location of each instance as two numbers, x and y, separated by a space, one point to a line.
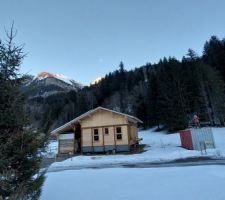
70 123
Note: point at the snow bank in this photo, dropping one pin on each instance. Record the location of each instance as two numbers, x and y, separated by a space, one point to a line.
202 182
160 147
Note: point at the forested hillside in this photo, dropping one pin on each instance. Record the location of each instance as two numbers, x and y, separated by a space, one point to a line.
168 93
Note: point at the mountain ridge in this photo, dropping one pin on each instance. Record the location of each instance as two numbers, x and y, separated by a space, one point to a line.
45 84
44 74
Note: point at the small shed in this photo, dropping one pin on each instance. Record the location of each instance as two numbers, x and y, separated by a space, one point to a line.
197 138
98 130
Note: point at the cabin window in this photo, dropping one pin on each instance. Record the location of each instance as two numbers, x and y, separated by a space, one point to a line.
96 136
119 136
106 131
95 131
118 130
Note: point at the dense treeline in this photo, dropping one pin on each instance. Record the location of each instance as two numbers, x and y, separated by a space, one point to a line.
168 93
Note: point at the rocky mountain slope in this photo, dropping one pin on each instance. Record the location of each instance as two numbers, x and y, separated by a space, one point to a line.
45 84
47 94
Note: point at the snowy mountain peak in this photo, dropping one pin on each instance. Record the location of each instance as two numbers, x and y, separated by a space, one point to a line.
96 81
62 77
46 84
43 75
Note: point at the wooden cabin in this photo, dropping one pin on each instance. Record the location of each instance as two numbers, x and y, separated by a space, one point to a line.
98 130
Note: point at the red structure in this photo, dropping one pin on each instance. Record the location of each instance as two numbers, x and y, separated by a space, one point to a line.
186 139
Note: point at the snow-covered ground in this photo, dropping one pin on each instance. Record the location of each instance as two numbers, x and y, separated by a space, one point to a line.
198 183
160 147
51 150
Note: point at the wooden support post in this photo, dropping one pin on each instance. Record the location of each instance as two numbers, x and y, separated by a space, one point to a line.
74 129
58 144
81 140
92 139
114 133
103 138
128 135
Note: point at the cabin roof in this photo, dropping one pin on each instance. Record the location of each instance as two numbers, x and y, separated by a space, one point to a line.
70 123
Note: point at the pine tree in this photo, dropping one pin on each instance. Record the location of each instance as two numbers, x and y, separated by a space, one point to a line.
172 95
213 91
214 54
153 109
20 176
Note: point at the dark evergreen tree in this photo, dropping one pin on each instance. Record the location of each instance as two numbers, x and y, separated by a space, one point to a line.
172 95
20 177
153 107
213 92
214 54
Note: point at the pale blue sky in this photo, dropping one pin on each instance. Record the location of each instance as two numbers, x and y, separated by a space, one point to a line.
85 39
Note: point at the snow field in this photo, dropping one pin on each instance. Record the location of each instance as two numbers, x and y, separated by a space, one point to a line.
197 183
